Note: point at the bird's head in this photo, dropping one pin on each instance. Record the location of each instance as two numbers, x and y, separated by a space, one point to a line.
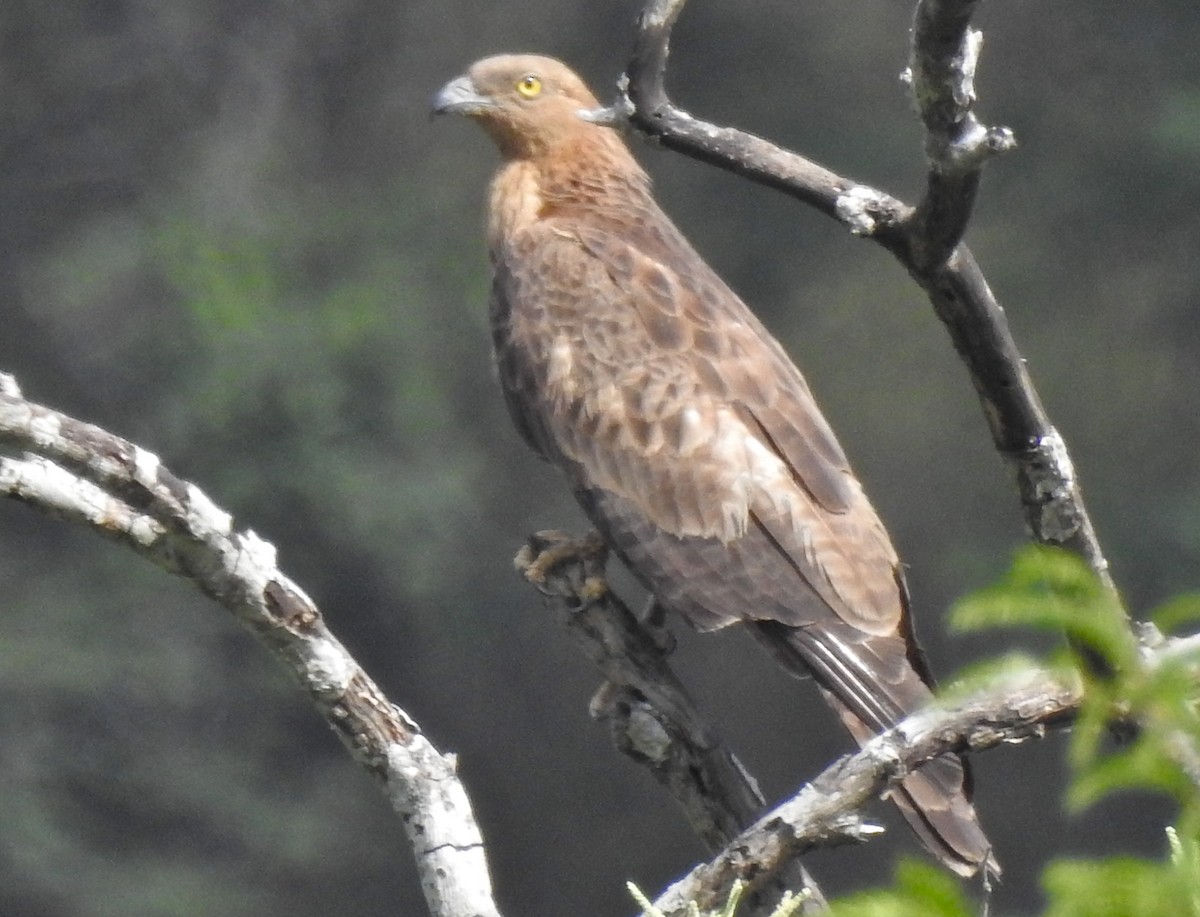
528 104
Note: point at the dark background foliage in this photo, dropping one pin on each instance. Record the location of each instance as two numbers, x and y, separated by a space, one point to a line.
229 232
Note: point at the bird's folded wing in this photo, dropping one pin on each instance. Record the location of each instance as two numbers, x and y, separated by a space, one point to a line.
662 390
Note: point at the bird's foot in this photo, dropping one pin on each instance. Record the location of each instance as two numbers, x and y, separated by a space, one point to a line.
558 564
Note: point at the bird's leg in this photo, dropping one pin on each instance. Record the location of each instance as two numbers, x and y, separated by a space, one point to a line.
558 564
654 622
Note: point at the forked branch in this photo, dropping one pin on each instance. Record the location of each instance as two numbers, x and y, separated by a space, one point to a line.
925 239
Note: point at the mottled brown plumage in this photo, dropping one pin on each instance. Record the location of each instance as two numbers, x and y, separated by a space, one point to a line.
689 437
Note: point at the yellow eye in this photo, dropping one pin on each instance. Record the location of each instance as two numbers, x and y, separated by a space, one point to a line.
529 86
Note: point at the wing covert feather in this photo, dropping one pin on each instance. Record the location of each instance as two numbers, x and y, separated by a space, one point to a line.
672 396
686 307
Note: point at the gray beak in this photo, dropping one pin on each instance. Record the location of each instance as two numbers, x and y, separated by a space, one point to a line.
459 96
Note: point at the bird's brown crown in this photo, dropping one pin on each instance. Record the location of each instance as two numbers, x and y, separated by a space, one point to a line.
529 104
556 159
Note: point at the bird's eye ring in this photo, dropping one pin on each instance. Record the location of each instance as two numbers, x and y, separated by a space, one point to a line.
529 86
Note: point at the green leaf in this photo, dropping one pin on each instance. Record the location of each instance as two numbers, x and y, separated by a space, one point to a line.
921 890
1140 766
1051 589
987 673
1162 701
1091 727
1177 612
1118 887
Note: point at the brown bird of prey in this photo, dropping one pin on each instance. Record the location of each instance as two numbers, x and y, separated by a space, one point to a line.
690 439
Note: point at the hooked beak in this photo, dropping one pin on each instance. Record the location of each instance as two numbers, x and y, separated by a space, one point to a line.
459 96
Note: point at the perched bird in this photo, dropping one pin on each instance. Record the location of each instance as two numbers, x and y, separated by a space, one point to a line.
690 439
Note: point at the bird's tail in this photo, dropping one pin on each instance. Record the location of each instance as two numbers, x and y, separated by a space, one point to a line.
935 800
871 683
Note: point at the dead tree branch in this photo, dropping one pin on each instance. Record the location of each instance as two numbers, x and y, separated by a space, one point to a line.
650 716
84 474
654 722
1013 710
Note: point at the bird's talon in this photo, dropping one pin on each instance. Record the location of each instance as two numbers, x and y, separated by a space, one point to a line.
576 564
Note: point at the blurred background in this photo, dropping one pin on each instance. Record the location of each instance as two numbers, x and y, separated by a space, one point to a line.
230 232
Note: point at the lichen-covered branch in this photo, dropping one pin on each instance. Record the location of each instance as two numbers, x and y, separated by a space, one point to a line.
81 473
654 722
650 716
945 52
1012 710
925 239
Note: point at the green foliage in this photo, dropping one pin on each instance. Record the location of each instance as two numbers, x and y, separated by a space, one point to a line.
1160 700
979 676
1123 887
1053 590
920 890
1176 613
230 282
1049 589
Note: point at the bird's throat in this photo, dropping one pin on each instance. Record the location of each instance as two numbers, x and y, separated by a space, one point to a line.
516 200
527 190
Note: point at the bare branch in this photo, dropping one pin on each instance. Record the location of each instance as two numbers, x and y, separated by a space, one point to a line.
648 711
924 239
82 473
1012 710
655 723
945 52
644 105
